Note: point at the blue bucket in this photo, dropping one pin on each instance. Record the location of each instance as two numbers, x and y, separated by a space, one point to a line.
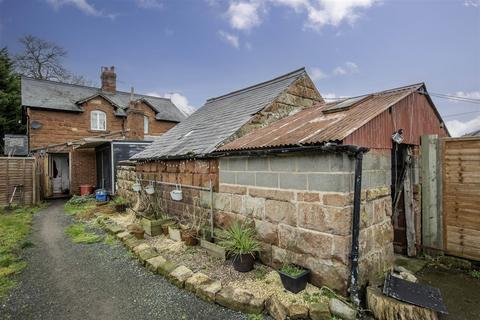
101 195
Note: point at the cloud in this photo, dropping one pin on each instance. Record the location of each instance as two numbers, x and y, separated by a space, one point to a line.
82 5
329 97
244 15
458 128
472 3
347 68
468 95
230 38
149 4
178 99
317 74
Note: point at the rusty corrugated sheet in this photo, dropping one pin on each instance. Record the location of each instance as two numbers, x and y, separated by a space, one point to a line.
313 126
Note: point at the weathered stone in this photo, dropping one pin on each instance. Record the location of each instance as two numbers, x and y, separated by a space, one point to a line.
297 311
166 268
152 264
142 246
265 253
405 276
337 199
213 249
146 254
324 218
113 228
222 201
325 272
385 308
208 290
300 240
237 204
132 242
377 193
308 196
273 194
123 235
320 311
342 310
254 207
341 248
180 275
239 300
194 282
280 212
266 231
275 308
231 188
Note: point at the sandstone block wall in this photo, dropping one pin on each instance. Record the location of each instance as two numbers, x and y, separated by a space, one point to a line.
300 205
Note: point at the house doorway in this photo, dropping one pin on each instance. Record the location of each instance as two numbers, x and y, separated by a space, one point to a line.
59 172
402 201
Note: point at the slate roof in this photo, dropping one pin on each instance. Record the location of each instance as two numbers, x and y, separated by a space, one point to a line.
475 133
54 95
331 122
217 120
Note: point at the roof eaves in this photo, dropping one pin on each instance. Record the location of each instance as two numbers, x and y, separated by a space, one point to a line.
99 94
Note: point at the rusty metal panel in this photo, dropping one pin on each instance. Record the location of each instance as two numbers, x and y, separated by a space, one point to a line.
313 125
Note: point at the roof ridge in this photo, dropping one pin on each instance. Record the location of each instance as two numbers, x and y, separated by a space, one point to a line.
405 87
258 85
95 88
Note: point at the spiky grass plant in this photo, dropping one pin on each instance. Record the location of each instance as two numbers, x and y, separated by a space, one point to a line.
238 239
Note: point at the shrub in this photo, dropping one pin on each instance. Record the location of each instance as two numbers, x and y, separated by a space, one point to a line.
118 200
239 239
292 270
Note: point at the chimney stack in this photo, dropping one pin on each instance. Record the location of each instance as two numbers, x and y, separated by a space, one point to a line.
109 79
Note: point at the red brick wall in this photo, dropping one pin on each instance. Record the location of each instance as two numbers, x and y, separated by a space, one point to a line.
189 172
60 126
83 169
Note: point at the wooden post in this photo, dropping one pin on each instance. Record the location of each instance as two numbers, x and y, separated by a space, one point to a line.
409 213
431 215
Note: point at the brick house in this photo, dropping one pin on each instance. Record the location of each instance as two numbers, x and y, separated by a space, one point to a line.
78 133
281 158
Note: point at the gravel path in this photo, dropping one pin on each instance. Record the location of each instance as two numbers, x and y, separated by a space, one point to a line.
65 280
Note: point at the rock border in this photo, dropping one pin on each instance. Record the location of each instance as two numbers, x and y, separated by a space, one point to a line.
206 288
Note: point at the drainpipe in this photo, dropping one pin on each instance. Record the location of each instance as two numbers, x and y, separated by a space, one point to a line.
356 229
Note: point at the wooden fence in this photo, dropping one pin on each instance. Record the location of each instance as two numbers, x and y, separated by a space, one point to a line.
18 172
461 196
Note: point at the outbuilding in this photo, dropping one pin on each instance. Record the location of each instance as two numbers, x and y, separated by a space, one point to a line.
277 155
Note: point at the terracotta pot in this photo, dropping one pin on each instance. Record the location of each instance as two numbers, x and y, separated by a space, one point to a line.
139 234
243 262
190 237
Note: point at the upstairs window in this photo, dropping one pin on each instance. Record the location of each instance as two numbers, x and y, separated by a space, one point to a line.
98 120
145 124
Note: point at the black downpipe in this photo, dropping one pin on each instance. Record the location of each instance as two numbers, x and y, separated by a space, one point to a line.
356 229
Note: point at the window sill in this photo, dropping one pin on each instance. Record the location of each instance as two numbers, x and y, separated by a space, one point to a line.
98 131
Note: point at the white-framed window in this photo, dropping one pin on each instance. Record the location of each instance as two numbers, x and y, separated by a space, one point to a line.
145 124
98 120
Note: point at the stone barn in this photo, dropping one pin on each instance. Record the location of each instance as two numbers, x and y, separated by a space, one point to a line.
280 157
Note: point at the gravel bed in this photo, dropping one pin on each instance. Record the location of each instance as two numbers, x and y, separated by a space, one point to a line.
64 280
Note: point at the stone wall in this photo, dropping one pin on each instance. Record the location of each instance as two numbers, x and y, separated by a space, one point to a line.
300 205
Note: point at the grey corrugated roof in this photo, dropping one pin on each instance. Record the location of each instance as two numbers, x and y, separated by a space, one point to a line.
217 120
67 97
475 133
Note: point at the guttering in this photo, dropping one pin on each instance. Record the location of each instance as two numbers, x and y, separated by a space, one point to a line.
329 147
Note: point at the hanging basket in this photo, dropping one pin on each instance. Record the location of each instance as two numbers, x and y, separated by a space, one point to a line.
176 194
150 189
136 186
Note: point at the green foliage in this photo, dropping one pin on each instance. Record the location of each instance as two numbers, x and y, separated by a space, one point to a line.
255 317
10 104
110 240
312 298
14 227
291 270
78 234
239 239
475 274
78 204
260 272
118 200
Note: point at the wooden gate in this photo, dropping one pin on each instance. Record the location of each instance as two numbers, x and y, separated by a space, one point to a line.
21 173
461 196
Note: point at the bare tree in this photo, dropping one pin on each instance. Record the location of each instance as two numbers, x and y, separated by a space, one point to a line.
42 59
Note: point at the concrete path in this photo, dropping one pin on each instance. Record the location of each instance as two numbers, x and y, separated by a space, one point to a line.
65 280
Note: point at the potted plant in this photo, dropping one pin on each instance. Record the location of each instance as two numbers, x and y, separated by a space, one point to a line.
190 236
239 240
294 278
120 204
153 216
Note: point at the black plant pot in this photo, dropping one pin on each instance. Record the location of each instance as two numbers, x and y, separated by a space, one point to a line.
295 284
243 262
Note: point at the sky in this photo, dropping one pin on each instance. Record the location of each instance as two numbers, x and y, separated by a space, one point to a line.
192 50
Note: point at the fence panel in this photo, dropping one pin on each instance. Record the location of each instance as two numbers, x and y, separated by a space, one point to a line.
18 172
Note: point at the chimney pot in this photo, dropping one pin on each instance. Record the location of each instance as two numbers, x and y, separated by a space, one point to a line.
109 79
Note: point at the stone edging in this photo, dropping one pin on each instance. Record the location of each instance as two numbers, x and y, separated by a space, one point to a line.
206 288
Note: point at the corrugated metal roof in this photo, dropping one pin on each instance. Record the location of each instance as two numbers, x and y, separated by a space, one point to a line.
314 126
217 120
68 97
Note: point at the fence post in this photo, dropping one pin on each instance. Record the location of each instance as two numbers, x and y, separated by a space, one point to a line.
432 234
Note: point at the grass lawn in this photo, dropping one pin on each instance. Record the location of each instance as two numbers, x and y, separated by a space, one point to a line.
14 227
78 205
78 234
